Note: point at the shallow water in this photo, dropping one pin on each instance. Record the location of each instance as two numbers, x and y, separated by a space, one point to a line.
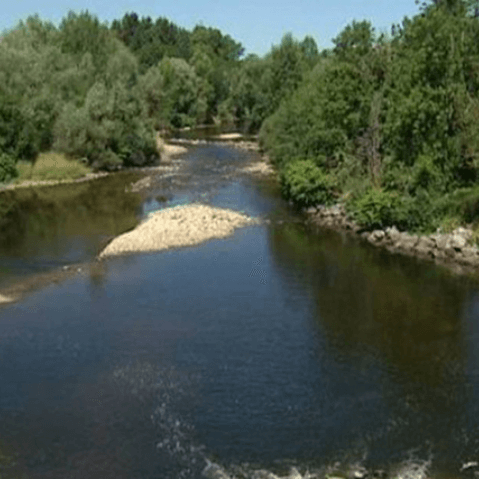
276 346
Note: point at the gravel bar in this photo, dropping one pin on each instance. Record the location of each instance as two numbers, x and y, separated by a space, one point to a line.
184 225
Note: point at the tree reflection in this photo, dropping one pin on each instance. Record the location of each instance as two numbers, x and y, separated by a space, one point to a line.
398 322
51 220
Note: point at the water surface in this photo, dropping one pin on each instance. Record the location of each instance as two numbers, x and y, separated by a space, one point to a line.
279 345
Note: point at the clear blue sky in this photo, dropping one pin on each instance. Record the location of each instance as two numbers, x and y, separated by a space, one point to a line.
257 24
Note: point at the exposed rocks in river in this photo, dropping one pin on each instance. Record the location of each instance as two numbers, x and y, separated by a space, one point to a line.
168 150
178 226
5 299
242 144
259 168
453 248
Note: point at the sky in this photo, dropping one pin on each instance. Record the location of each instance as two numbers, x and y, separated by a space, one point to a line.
257 24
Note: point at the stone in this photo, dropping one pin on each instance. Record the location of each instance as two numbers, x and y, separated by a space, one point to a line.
425 246
294 474
311 211
336 210
392 233
377 235
406 242
457 242
450 252
360 473
438 253
465 233
471 253
263 474
442 241
468 465
213 471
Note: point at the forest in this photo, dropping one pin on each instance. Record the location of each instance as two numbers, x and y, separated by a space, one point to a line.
386 124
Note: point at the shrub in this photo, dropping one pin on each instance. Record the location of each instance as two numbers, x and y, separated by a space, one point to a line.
378 209
8 170
303 182
107 160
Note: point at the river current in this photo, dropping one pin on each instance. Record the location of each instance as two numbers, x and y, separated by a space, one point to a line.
281 345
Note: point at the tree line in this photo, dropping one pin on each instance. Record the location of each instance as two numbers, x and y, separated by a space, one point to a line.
385 123
388 124
99 92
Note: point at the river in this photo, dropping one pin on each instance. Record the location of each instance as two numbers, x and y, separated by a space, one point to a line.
279 346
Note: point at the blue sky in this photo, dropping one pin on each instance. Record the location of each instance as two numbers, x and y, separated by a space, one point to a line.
257 24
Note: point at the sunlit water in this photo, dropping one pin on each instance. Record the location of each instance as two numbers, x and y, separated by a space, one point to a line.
276 346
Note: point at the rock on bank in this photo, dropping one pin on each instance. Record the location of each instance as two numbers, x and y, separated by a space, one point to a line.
178 226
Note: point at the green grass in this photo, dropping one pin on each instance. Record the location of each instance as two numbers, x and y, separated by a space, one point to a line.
51 166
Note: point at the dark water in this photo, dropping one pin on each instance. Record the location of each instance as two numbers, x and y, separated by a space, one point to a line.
48 227
276 346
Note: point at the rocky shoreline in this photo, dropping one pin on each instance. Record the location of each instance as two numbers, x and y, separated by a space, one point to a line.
454 250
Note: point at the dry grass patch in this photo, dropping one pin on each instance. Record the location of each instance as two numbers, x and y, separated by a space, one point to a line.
51 166
178 226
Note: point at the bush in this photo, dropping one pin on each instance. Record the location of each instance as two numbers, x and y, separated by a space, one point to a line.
107 160
378 209
109 130
303 182
8 170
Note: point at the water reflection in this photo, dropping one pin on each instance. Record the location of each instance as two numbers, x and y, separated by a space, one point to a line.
50 226
273 344
397 321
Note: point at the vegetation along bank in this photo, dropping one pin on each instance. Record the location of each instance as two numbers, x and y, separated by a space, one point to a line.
383 125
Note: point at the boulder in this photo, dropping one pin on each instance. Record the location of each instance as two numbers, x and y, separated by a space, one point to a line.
294 474
392 233
263 474
406 242
425 246
376 236
457 241
360 473
442 241
213 471
465 233
336 210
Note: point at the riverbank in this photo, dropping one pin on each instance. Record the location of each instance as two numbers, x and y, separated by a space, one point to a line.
168 153
454 250
216 224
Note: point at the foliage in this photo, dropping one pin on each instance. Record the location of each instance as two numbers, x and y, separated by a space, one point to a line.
107 130
183 93
152 41
378 209
392 117
306 184
8 170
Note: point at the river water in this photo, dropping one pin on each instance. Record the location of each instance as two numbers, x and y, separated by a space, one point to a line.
278 346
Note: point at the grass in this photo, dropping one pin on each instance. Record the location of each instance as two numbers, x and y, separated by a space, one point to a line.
51 166
450 223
